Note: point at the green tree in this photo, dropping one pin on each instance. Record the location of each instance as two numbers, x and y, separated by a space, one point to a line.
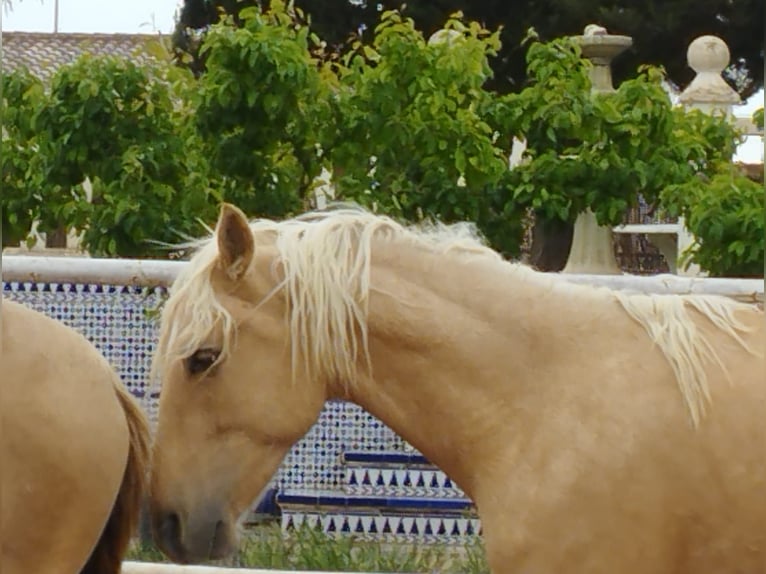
758 117
265 109
408 126
599 151
405 125
725 215
418 132
661 37
125 127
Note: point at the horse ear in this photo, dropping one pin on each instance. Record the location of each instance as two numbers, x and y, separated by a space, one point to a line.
236 245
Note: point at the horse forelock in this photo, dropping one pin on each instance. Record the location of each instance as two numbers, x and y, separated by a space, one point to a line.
192 311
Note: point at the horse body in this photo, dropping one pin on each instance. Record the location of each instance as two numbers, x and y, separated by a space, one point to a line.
596 431
74 451
586 463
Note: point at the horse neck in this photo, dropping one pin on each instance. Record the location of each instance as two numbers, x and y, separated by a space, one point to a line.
453 356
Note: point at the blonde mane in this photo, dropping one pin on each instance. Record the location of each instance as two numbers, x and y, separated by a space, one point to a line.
667 320
325 260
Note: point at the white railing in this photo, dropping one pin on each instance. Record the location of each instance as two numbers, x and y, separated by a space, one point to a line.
85 270
155 568
153 273
747 290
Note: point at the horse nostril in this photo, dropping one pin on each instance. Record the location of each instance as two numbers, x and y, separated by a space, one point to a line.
171 525
168 531
219 547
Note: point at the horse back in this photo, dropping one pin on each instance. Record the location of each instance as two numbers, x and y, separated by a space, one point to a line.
74 444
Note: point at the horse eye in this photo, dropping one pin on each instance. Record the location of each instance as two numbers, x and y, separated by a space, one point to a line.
201 360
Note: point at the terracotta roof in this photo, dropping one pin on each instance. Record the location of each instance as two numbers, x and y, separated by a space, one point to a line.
43 52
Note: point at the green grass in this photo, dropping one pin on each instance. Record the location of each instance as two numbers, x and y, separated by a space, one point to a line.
308 548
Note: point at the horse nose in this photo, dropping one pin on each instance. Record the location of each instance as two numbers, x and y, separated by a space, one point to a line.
167 535
199 538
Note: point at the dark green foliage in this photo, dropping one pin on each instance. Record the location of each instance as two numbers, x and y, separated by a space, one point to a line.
661 31
599 151
264 106
407 127
758 117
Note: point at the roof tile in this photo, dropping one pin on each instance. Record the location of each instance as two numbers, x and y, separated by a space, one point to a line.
42 53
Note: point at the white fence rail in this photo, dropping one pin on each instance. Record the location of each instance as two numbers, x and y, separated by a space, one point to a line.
152 568
747 290
152 273
85 270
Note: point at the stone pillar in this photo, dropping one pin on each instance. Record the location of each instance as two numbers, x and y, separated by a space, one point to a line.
592 244
708 56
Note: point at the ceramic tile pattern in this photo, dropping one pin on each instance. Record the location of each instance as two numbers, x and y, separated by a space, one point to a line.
411 529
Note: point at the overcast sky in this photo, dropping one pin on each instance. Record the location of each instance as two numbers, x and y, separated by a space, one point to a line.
151 16
126 16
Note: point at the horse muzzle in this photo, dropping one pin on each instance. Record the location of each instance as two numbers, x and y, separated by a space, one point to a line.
194 539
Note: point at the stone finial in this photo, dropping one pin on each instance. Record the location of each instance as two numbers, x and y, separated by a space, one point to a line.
709 56
594 30
444 37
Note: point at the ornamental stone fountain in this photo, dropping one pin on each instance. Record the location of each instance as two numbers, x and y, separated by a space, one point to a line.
592 248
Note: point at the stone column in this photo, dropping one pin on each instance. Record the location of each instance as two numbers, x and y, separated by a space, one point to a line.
708 56
592 244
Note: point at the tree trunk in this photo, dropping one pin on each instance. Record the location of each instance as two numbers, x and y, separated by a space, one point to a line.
551 242
56 238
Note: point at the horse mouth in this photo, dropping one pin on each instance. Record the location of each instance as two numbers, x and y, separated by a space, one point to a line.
172 539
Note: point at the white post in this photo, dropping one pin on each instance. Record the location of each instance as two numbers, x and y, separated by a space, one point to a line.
708 56
592 248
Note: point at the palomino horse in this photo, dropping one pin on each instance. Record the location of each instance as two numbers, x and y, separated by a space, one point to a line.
596 431
75 448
